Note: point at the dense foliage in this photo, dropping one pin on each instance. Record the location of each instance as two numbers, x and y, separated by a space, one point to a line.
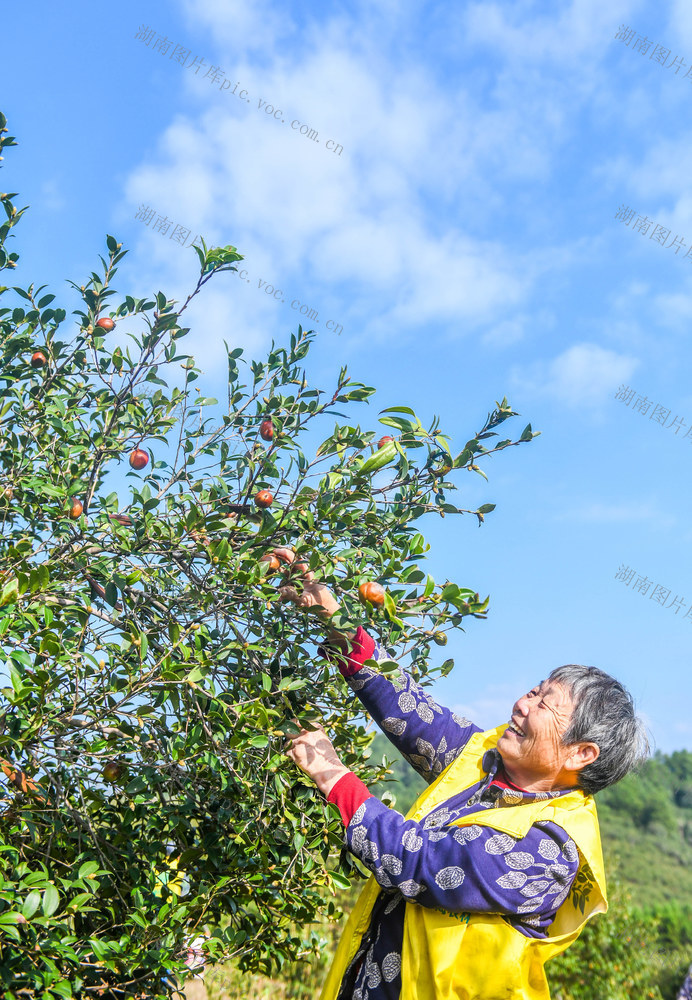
151 672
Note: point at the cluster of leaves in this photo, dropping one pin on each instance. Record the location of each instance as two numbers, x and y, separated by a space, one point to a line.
152 672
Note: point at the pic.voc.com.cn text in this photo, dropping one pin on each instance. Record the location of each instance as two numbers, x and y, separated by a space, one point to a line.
277 294
180 55
180 235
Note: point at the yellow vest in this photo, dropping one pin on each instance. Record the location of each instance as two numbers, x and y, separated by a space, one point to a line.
176 881
479 956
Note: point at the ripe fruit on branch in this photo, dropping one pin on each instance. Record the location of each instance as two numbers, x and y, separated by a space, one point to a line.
138 459
373 592
106 324
38 360
76 509
274 563
384 440
264 498
113 771
267 430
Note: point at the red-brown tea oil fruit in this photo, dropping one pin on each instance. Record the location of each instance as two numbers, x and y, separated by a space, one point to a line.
138 459
373 592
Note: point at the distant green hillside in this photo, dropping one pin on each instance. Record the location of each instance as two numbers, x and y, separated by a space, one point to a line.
646 824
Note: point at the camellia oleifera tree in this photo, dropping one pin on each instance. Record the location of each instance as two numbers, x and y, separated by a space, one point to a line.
151 671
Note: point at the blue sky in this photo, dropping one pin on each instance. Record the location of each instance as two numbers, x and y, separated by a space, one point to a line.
466 240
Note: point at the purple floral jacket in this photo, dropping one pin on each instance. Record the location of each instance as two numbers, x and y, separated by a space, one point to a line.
458 869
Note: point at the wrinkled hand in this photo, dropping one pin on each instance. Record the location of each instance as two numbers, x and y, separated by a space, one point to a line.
302 588
314 753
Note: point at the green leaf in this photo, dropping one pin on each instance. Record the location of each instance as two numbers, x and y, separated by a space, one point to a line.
88 868
398 409
51 901
61 989
100 948
31 904
383 456
397 422
10 592
78 901
340 880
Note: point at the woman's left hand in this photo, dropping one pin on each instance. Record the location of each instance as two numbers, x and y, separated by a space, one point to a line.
313 752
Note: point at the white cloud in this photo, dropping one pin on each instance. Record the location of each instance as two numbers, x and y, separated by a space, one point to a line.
507 332
238 26
583 375
391 215
390 219
528 32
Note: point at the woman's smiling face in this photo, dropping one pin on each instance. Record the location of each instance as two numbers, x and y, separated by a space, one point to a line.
531 746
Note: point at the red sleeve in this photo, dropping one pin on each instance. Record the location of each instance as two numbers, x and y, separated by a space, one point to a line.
348 794
352 658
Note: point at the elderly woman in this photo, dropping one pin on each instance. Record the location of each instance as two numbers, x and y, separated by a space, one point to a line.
498 864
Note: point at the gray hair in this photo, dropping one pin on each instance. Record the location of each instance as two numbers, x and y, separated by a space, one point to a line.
603 713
